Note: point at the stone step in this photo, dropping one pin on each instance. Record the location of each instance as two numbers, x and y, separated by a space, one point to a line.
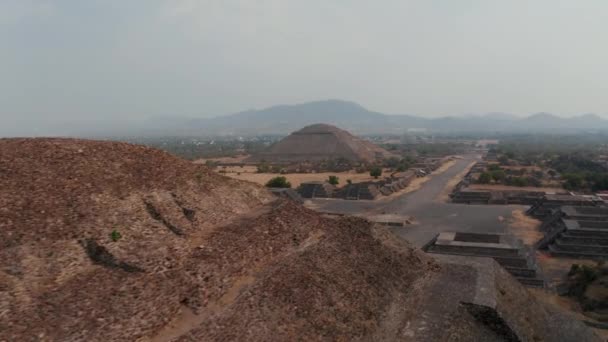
532 282
521 272
569 247
583 240
478 251
556 251
516 262
588 232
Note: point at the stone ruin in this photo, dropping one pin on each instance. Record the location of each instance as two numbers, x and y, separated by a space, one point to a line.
316 190
576 232
468 196
508 251
548 204
287 193
358 191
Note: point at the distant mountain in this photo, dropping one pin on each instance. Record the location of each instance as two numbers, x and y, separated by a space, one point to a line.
288 118
284 119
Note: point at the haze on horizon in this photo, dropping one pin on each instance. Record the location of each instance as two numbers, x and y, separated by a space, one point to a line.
116 61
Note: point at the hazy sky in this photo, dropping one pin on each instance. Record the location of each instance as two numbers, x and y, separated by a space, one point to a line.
94 60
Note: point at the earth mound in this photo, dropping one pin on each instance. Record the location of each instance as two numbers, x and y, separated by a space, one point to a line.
322 142
105 241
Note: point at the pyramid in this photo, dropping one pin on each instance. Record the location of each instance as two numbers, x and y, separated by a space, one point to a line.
322 142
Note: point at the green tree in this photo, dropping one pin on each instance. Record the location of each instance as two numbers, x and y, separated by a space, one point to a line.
573 181
519 181
333 180
498 175
375 172
493 167
484 178
278 182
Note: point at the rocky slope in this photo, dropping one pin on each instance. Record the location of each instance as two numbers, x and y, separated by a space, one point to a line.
204 258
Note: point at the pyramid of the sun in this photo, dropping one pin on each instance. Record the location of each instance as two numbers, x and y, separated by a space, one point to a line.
322 142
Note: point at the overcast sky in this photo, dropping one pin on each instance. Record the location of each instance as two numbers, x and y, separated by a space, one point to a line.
104 59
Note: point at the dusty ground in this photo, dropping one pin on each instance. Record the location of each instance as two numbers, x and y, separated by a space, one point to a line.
248 173
224 160
525 227
513 188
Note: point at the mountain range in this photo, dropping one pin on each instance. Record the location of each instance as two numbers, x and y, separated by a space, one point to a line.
284 119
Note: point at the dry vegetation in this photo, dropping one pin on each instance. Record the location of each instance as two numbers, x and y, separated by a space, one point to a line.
525 227
249 173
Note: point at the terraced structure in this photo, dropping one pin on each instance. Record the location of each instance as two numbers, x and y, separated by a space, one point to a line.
508 251
577 232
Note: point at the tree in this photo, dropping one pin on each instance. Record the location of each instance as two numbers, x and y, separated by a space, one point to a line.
263 167
333 180
485 178
533 181
503 160
278 182
375 172
498 175
573 181
493 167
391 162
519 181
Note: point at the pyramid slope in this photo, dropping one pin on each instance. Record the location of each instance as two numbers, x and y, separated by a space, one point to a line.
319 142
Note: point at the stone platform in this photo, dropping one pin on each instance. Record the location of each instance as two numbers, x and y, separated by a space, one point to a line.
508 251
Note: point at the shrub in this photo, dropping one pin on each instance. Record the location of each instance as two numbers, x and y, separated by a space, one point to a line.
517 181
115 235
375 172
278 182
263 168
498 175
493 167
333 180
485 178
